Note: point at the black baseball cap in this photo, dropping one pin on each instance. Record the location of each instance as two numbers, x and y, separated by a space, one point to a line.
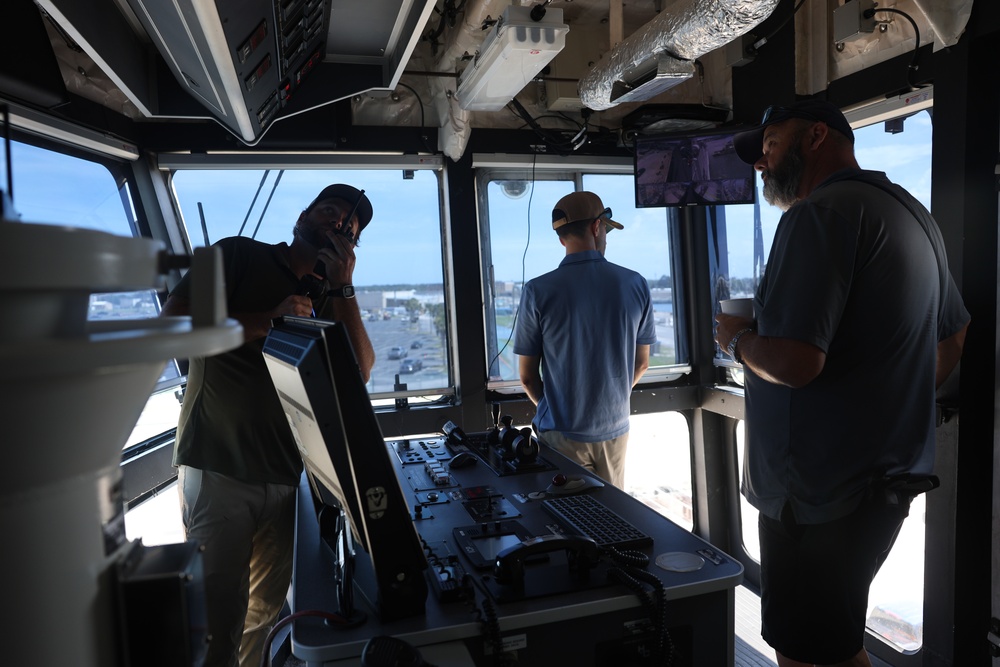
351 195
749 144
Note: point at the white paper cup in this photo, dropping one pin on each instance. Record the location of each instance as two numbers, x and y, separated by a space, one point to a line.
740 307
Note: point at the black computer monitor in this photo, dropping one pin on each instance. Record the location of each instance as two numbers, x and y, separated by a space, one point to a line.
691 169
316 375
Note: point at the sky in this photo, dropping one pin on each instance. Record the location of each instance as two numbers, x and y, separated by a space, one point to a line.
904 157
403 244
642 245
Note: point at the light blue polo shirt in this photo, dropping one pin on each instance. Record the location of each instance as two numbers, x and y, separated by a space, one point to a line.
585 319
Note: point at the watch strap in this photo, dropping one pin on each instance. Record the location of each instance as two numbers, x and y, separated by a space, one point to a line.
731 348
343 292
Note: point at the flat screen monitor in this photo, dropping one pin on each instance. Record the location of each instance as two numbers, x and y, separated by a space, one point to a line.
347 463
691 169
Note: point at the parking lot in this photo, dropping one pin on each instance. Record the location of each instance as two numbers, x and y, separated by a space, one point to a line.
402 332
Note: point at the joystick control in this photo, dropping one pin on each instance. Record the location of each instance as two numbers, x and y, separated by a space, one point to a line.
517 444
493 435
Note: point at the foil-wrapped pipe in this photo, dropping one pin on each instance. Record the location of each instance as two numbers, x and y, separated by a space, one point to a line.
660 54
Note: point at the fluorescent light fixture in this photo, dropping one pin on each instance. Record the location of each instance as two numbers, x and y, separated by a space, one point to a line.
514 52
65 132
189 34
883 109
219 51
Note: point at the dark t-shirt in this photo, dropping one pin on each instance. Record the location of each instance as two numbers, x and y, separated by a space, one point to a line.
232 421
854 273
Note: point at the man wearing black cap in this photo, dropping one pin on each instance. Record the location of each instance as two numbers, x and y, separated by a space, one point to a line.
238 466
858 321
585 327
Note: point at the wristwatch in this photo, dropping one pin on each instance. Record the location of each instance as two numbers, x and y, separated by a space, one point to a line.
731 348
345 292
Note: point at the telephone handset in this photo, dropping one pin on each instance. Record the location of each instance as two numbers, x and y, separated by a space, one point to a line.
582 553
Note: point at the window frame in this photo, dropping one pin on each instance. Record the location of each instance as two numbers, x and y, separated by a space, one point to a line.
170 163
146 463
490 167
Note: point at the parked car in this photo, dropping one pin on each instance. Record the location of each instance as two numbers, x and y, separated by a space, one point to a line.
397 352
410 365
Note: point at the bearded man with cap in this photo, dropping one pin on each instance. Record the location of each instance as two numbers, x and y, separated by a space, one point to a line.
585 329
858 321
238 465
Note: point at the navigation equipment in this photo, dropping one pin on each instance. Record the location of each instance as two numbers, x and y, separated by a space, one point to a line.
352 478
690 169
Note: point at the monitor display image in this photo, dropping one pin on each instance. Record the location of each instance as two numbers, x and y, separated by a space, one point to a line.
347 463
691 169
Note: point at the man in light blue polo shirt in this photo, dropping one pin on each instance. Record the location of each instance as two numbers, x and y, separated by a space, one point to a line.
586 328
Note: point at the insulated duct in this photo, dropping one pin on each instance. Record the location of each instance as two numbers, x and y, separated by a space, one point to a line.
948 18
465 38
661 54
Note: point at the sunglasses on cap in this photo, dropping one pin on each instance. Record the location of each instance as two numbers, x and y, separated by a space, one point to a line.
606 213
791 113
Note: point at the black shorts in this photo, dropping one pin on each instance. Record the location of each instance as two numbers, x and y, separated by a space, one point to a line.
815 580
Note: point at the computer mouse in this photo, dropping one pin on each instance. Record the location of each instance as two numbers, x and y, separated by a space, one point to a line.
462 460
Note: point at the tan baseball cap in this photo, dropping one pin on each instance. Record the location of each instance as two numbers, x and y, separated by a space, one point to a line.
578 206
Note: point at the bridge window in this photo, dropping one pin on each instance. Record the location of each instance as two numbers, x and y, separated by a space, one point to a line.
399 275
57 188
658 465
519 244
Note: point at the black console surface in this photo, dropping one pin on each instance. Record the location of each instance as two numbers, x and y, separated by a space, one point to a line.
556 598
501 461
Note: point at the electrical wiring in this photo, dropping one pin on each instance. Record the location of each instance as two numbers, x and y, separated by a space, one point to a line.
554 139
630 558
911 71
485 615
655 603
527 243
423 136
756 46
501 658
333 619
449 13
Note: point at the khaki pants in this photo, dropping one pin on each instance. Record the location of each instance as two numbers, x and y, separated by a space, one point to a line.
247 530
606 457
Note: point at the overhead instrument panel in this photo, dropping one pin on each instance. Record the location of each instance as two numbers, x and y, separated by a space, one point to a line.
247 63
241 59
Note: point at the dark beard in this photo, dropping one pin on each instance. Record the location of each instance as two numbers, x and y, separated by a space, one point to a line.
781 184
313 237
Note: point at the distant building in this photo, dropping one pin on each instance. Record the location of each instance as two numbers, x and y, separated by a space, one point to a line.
662 294
505 287
371 300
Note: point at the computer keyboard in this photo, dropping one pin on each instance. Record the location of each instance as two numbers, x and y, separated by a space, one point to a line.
583 515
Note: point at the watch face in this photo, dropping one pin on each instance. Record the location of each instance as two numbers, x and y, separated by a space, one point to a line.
348 291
